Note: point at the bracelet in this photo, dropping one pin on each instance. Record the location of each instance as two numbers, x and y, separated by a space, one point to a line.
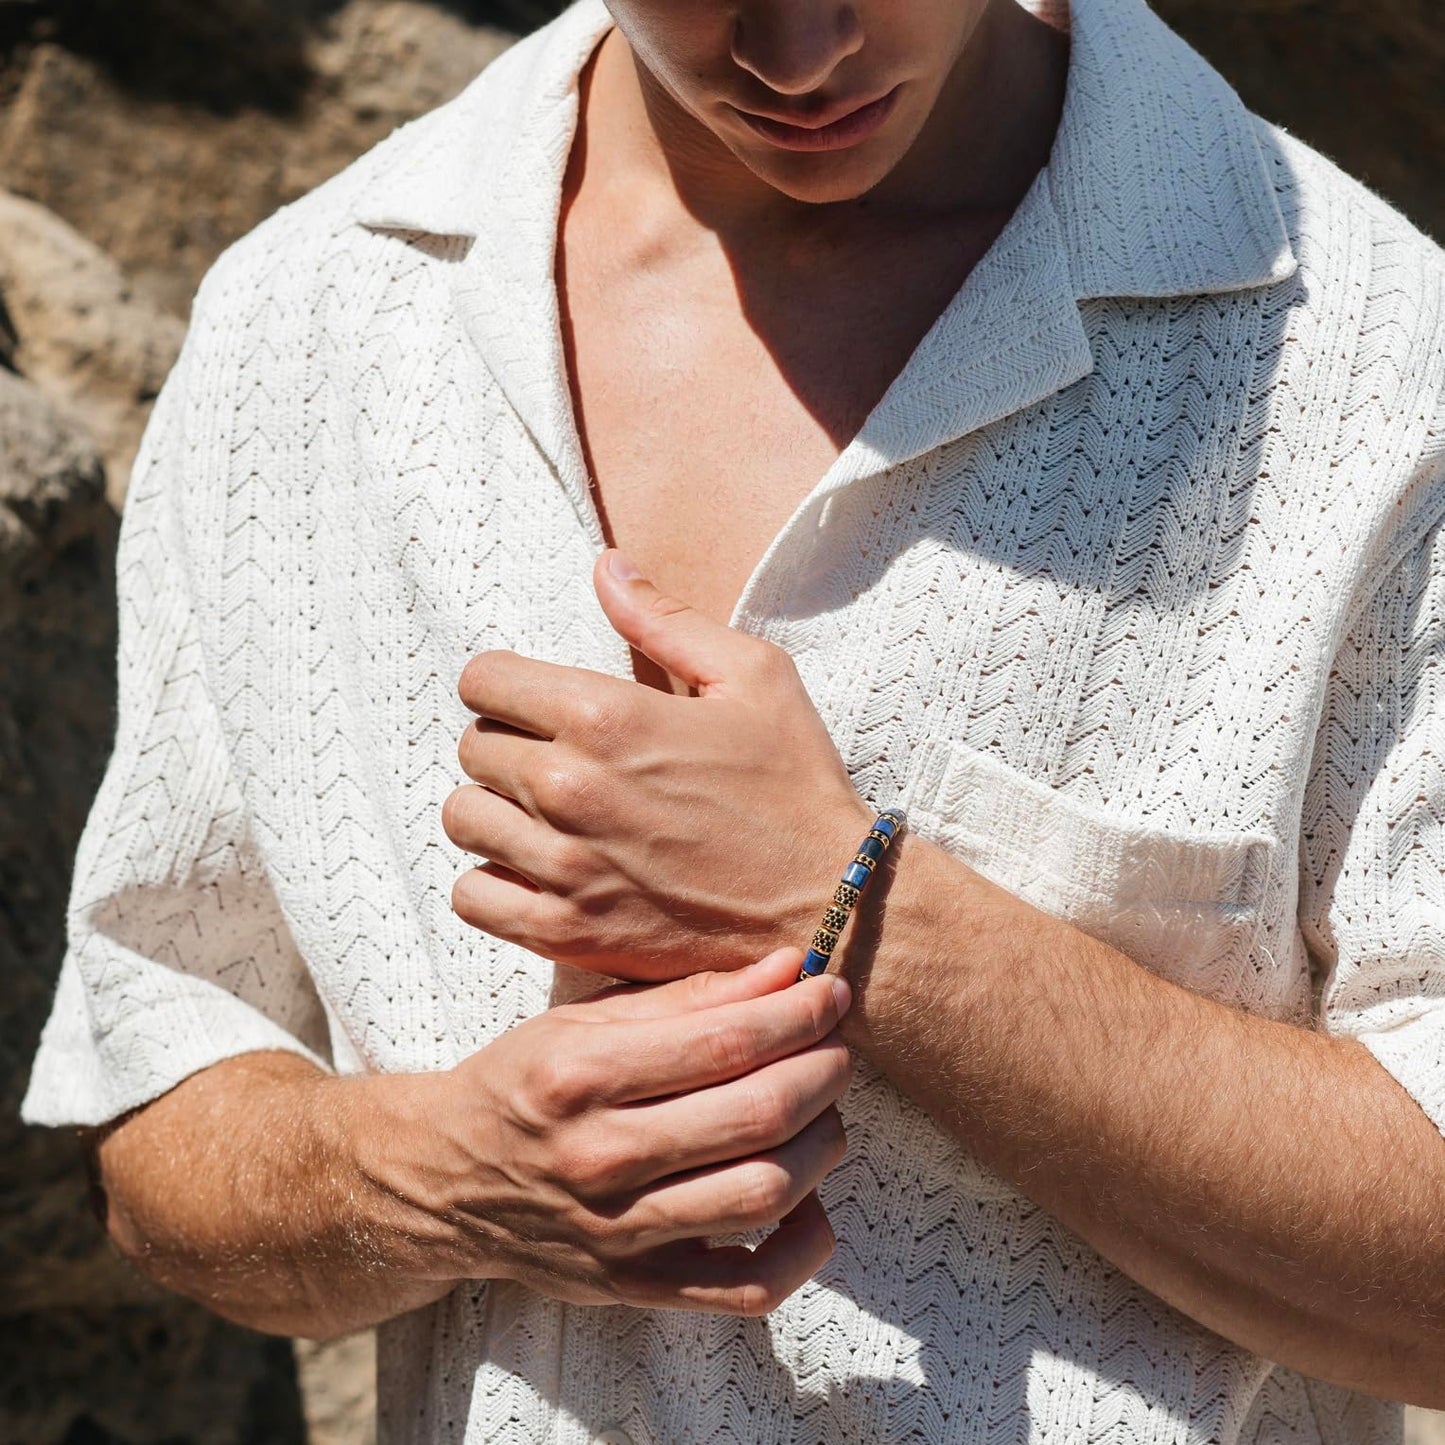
850 888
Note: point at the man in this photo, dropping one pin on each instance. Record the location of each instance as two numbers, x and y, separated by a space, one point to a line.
1062 445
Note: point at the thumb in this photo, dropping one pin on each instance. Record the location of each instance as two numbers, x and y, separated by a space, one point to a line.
698 651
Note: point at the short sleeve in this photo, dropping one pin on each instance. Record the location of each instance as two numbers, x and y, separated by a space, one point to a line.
1372 904
177 951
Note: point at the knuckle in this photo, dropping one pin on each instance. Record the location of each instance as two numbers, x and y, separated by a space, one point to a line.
842 1067
773 665
762 1194
464 901
757 1297
564 1084
820 1012
568 791
661 606
572 861
477 675
764 1116
630 1285
591 1166
596 716
562 931
726 1047
454 809
697 988
471 746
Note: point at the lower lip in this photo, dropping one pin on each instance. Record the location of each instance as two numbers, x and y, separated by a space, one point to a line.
853 129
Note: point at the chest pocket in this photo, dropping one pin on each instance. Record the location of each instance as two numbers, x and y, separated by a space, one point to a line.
1188 907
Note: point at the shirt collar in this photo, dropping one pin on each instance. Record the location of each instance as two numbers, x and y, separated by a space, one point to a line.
503 140
1156 187
1157 175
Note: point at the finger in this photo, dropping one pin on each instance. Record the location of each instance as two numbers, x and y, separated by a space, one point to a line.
541 698
496 829
637 1001
693 648
651 1058
502 758
734 1280
505 904
741 1195
736 1120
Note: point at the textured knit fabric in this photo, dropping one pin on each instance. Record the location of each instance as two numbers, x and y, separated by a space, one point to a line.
1132 589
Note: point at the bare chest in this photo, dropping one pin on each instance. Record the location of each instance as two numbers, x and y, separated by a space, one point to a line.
709 407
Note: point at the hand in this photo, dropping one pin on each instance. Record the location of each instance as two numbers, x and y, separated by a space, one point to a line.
590 1152
641 834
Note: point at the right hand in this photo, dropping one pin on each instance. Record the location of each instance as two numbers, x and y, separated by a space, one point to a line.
590 1152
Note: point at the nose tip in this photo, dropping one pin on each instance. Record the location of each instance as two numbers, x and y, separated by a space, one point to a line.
794 47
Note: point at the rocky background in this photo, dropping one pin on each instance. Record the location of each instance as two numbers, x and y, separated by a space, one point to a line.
137 138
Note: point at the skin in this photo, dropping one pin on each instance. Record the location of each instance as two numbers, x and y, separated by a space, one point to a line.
1298 1208
752 291
295 1202
588 1153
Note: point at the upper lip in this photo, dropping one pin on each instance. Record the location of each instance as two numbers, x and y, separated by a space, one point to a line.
816 119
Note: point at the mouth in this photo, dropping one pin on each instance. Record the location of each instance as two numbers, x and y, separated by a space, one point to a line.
823 132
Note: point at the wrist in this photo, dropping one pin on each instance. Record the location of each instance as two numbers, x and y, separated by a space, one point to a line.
832 836
398 1162
905 936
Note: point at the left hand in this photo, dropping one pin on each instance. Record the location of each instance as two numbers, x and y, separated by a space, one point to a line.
641 834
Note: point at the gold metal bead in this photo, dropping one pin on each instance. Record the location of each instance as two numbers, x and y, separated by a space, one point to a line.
835 919
845 895
869 863
824 942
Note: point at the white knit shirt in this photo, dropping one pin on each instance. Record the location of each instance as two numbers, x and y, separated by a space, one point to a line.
1131 588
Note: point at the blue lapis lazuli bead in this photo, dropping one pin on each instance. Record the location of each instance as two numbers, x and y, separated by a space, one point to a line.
885 824
872 848
856 875
815 963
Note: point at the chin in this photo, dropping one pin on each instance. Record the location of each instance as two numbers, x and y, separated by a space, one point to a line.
820 180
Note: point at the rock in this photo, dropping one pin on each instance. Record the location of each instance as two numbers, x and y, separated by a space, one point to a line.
52 487
338 1389
166 1373
162 182
90 1351
163 130
57 661
78 331
57 654
1359 80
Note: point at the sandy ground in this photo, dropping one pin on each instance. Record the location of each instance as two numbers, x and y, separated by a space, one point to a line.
1424 1427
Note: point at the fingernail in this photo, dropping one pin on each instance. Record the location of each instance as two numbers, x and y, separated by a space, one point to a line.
842 994
622 567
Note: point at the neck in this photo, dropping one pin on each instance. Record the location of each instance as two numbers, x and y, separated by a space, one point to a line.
985 139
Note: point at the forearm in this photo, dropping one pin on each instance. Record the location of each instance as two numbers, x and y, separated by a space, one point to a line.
250 1188
1276 1185
591 1153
